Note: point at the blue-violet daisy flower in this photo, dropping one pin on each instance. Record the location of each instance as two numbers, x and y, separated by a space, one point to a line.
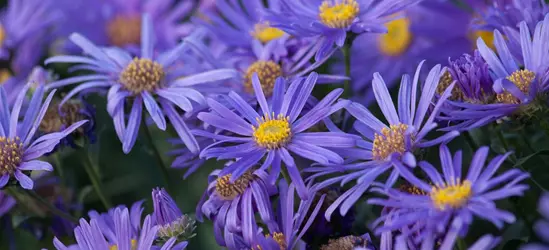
19 149
278 129
171 222
330 20
384 145
451 199
147 79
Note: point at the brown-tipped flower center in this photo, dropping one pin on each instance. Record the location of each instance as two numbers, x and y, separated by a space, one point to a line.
227 190
391 140
11 154
281 240
445 82
124 30
345 243
267 71
54 121
142 74
522 79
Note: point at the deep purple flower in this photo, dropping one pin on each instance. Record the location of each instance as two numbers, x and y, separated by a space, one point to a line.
431 31
171 222
144 80
124 231
291 223
384 145
330 20
279 130
24 32
232 205
19 150
118 23
237 25
448 202
542 226
515 86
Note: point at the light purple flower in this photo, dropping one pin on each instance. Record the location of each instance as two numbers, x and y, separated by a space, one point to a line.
19 149
445 209
148 80
279 130
383 145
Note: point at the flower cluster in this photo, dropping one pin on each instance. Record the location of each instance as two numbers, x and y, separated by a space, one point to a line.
304 124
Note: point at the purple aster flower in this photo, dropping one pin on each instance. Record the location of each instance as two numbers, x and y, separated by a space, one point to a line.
279 130
431 31
125 236
118 23
291 224
330 20
385 145
542 226
185 159
515 86
19 149
170 220
485 242
269 66
24 32
147 80
231 205
449 200
237 24
503 14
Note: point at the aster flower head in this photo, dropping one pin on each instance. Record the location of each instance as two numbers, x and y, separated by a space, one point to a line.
237 24
269 65
291 223
515 87
231 205
384 145
430 30
171 222
19 149
94 234
275 131
118 23
24 29
148 80
448 201
542 226
330 20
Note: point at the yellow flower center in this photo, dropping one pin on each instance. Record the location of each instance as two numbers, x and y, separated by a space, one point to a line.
142 74
272 133
11 153
133 246
338 14
2 35
281 240
411 189
124 30
54 122
445 82
397 39
4 74
349 242
522 79
227 190
267 71
487 36
453 196
265 33
391 140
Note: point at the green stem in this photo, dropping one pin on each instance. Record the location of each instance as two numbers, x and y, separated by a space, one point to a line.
161 165
94 178
58 166
286 175
471 141
51 208
461 245
502 139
